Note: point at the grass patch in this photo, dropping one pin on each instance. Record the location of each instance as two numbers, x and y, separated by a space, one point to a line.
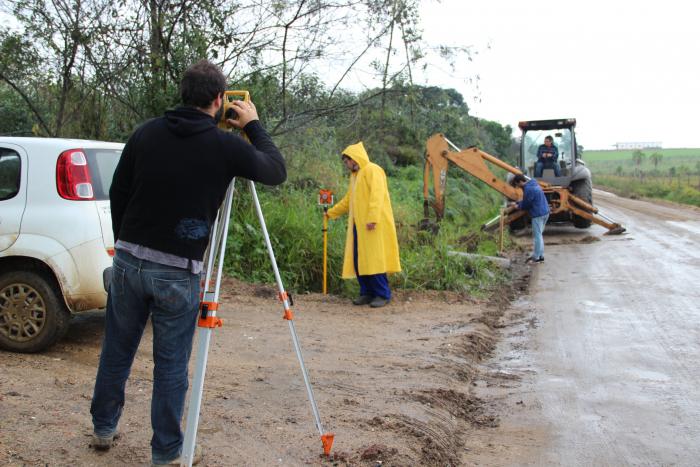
295 224
651 188
626 154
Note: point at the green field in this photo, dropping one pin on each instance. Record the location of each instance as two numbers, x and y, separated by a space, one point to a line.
626 154
677 160
675 177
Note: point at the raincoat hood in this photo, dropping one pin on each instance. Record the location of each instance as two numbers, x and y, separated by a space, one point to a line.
357 153
188 121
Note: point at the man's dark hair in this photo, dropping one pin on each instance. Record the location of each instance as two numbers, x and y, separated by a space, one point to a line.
201 84
517 179
549 137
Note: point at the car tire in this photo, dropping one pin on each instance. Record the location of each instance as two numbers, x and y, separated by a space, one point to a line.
33 315
582 189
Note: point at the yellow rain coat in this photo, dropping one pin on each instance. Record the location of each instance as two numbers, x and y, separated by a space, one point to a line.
367 201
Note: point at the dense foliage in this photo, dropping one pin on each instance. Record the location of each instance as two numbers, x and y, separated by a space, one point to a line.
96 69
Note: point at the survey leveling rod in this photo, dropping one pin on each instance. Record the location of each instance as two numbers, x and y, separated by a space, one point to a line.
208 320
325 199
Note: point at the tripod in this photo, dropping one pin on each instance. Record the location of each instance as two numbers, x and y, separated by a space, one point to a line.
208 321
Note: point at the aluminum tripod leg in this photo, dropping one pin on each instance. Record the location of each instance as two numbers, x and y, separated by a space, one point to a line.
326 438
217 245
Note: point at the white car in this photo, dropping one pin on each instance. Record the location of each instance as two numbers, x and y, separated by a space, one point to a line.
56 241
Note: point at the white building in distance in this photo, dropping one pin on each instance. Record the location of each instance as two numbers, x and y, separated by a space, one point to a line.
639 145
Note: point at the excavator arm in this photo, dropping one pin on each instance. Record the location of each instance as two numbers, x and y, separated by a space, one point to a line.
474 161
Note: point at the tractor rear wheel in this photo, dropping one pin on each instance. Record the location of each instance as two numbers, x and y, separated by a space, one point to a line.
582 189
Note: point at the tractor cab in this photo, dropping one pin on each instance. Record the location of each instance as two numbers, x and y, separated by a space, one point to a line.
560 150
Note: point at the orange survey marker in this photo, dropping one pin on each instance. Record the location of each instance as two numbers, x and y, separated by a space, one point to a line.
325 198
208 321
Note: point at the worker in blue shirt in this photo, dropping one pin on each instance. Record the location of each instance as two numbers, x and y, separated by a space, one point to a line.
535 203
547 155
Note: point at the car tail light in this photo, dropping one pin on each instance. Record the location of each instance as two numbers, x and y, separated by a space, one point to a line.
110 251
73 177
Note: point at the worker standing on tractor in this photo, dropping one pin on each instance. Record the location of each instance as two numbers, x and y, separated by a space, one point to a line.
371 247
547 157
535 203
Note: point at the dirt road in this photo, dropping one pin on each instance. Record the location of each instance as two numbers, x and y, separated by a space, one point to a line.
599 365
395 385
609 370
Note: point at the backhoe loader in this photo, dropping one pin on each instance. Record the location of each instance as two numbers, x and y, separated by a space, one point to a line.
564 193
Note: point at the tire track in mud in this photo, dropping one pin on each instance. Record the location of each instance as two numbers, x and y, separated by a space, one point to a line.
435 421
395 385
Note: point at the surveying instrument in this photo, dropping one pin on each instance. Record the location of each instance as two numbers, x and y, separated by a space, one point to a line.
208 321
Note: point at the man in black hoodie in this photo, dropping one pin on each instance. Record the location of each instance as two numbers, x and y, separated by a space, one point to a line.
170 181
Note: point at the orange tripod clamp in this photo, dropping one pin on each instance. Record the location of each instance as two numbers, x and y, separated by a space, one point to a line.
284 296
207 321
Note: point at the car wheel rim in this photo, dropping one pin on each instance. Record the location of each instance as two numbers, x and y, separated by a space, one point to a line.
22 312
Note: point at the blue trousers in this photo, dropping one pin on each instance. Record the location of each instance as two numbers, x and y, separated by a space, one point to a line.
374 285
540 166
538 224
170 296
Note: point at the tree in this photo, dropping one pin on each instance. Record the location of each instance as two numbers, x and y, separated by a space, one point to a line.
128 56
638 157
683 170
15 120
618 171
45 62
655 158
96 68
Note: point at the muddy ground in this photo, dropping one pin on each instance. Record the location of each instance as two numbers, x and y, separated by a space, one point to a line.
607 363
395 385
595 364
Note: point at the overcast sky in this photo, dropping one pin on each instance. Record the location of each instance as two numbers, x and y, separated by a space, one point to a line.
626 70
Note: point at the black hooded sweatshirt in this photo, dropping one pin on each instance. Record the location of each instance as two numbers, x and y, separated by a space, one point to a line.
173 175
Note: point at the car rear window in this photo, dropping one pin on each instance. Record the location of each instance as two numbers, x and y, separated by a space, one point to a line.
9 173
102 163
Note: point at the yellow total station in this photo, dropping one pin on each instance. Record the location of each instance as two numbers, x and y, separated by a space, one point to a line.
229 110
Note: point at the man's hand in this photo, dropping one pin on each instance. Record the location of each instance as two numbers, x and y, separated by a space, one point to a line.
371 225
246 113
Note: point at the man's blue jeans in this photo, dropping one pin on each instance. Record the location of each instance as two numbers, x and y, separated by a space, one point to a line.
170 296
538 224
540 166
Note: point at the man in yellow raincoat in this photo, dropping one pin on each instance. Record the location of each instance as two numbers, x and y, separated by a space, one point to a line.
371 248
